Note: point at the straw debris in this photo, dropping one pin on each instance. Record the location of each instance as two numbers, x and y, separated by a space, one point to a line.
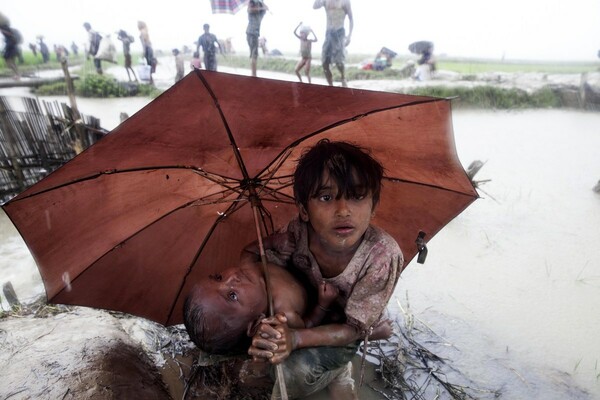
38 309
411 371
406 365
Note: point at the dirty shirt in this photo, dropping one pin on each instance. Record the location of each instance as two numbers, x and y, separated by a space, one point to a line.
368 281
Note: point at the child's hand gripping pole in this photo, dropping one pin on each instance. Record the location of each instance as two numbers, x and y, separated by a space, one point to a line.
255 202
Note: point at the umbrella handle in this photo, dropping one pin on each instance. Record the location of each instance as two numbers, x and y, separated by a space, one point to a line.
263 258
281 380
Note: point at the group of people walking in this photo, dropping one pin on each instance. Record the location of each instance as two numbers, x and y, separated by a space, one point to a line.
334 46
209 43
95 40
333 51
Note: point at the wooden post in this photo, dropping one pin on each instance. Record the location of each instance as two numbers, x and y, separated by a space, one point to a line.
11 295
81 142
582 93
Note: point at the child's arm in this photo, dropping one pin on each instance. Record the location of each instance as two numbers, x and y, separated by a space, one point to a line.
276 336
294 319
296 30
254 7
275 340
314 39
327 293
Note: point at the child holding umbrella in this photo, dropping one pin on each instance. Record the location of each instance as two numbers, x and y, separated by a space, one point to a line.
337 187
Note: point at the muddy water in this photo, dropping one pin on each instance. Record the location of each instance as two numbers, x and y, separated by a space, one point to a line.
521 266
514 281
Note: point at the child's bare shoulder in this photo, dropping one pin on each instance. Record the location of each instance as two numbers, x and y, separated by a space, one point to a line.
289 296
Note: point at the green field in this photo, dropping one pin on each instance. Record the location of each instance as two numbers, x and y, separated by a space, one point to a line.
287 63
475 66
458 65
486 97
90 85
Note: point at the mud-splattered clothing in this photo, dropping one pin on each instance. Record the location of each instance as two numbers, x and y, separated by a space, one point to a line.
366 284
365 287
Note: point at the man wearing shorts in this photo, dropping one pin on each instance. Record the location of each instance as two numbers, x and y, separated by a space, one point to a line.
256 12
335 35
208 41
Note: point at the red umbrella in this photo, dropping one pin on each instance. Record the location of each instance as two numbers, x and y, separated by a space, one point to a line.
166 198
226 6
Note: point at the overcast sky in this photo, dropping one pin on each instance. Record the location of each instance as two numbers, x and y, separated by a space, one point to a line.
516 29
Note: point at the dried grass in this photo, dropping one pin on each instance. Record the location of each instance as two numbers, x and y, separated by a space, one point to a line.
38 309
411 371
406 368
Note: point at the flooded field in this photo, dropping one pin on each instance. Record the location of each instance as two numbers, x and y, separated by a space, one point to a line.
512 283
518 273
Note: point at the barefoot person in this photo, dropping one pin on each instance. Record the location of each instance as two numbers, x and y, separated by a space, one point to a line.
127 39
335 35
305 49
11 48
209 43
94 39
336 187
147 50
256 12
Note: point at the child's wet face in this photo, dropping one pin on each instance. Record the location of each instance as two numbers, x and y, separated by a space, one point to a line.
338 224
234 293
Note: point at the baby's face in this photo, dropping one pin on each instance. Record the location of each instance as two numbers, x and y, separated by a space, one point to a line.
237 292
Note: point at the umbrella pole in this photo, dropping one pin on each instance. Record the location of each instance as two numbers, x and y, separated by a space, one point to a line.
263 258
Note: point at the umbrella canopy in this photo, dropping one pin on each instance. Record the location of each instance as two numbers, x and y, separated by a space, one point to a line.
165 199
387 52
420 47
226 6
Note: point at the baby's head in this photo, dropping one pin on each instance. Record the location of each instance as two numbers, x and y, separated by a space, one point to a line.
221 309
351 168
